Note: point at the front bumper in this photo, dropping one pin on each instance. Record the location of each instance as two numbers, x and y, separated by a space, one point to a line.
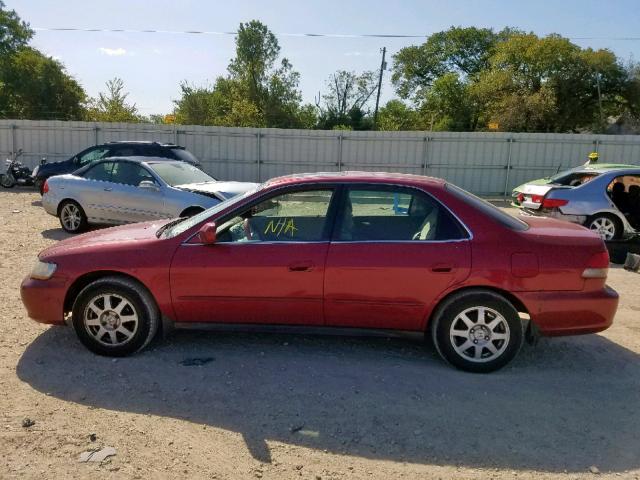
44 299
571 313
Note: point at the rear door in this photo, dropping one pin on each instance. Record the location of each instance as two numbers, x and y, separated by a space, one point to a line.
394 251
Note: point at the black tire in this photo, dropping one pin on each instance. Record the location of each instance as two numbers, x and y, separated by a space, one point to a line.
140 302
191 211
7 181
609 219
39 184
447 320
65 209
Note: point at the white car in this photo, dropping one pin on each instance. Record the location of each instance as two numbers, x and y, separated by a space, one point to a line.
133 189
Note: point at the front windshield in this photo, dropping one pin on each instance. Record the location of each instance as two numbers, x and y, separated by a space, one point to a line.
180 173
186 224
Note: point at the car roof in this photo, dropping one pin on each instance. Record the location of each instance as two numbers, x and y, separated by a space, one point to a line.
143 142
141 159
356 177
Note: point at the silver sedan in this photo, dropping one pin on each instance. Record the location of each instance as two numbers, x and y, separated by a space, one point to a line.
133 189
604 200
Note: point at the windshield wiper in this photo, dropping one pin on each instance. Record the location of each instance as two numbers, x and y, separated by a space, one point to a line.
163 228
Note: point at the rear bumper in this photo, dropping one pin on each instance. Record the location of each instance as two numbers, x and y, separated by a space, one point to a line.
50 204
571 313
44 299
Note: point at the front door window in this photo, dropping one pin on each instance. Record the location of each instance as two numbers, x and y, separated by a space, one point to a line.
290 217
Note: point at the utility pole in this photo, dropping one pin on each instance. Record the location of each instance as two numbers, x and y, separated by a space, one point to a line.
383 67
599 99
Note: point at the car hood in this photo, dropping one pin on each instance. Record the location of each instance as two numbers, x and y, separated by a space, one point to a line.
135 233
225 189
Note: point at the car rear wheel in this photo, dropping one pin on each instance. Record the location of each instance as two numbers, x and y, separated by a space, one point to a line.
72 217
477 331
608 226
191 211
115 317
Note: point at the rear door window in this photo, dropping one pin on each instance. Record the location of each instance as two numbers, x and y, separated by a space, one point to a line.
100 172
394 214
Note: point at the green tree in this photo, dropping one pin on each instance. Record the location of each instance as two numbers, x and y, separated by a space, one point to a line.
112 106
33 85
259 90
347 100
465 51
396 115
14 33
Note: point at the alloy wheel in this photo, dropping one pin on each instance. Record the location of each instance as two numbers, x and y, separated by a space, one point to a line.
71 217
479 334
605 227
110 319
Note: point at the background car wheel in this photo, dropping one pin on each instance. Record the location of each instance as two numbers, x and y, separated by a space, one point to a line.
477 331
115 317
608 226
72 217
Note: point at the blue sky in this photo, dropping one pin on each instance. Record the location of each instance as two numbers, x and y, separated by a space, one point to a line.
153 65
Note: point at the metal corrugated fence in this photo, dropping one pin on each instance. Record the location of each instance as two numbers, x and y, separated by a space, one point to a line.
484 163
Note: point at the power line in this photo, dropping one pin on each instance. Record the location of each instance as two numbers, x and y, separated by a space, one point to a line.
282 34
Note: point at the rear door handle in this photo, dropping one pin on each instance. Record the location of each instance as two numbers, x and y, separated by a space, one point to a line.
301 267
108 189
442 268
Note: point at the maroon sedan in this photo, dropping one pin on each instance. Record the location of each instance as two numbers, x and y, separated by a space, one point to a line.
334 251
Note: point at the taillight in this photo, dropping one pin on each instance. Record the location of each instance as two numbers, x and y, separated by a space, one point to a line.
537 198
554 202
45 187
598 266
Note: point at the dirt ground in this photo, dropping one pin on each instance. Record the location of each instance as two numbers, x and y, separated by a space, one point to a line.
284 406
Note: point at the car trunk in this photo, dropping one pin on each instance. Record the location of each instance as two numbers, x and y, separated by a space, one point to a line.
532 196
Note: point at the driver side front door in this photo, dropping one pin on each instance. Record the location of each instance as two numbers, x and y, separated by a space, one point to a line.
266 267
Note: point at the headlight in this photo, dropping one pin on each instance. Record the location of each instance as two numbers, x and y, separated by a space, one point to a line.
43 270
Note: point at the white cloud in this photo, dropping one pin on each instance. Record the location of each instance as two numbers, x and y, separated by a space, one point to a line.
113 52
352 54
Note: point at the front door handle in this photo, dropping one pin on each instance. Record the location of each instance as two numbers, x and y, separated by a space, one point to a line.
301 267
108 189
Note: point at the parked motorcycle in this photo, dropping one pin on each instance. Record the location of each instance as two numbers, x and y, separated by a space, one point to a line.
16 173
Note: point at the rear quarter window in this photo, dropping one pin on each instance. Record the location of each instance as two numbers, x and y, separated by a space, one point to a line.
487 209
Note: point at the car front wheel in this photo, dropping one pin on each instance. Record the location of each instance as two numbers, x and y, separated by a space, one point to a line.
115 317
608 226
477 331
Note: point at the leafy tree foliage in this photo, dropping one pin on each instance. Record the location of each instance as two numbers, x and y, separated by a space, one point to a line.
396 115
258 91
468 78
347 100
112 106
32 85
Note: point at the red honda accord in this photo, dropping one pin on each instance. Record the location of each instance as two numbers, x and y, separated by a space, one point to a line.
333 251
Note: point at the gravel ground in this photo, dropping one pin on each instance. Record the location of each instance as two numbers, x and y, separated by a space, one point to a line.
280 406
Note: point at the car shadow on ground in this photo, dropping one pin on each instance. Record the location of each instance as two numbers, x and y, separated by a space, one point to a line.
564 405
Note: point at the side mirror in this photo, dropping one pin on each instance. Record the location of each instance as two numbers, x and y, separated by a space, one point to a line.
148 185
207 233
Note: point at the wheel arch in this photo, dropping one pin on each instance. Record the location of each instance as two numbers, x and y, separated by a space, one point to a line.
510 297
83 280
68 199
199 209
